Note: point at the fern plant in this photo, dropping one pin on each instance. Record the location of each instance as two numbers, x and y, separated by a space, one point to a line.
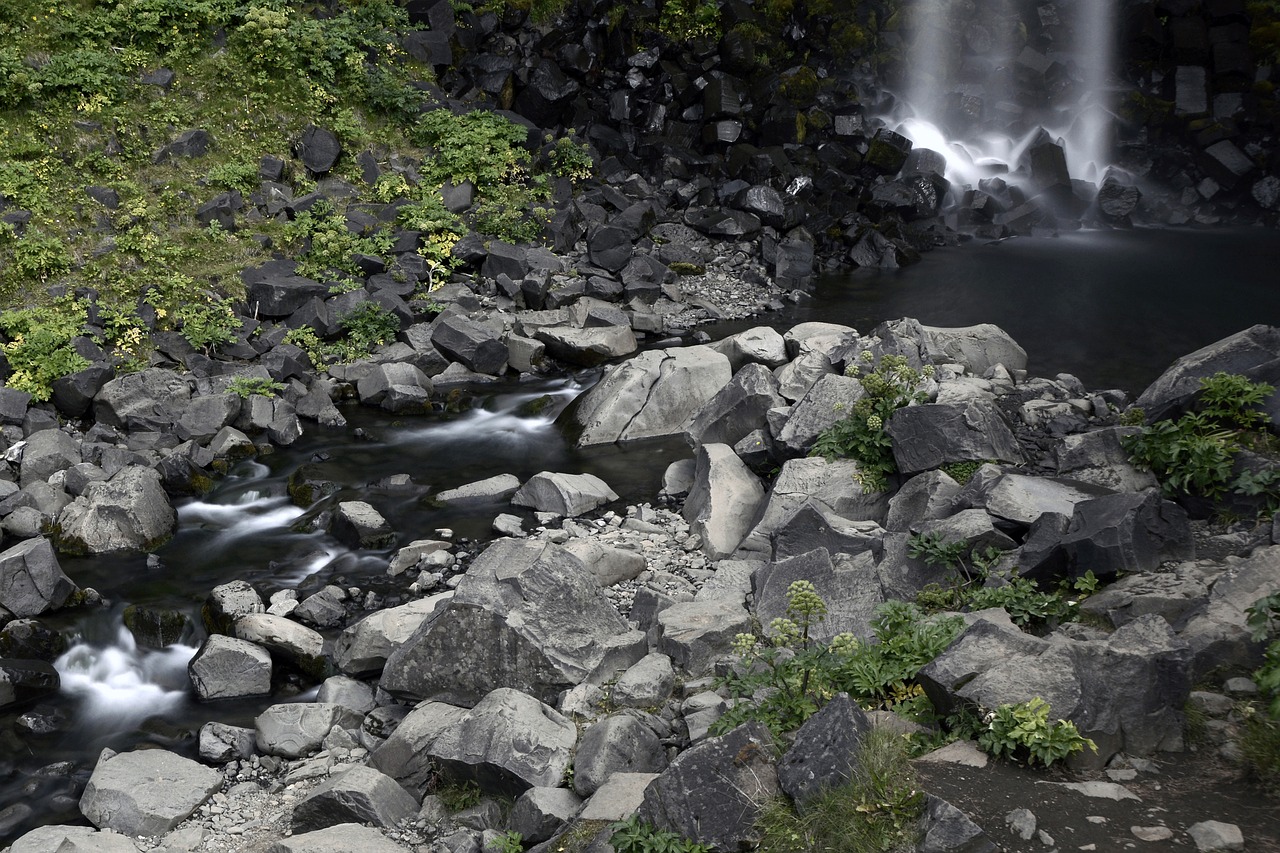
1023 731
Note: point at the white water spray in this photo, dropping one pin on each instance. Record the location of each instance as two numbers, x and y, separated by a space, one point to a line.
961 92
121 685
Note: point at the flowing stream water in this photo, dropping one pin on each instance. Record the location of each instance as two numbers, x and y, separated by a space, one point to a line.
1113 308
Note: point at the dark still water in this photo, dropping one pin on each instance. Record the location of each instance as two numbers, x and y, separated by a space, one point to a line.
1113 308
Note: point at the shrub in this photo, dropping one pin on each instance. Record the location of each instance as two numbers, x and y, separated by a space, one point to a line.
248 386
1023 732
205 325
685 20
39 348
326 246
784 679
1193 455
878 809
861 436
571 158
482 147
369 325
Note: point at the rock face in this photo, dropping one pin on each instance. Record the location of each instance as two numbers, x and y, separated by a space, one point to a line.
825 750
508 742
714 791
527 616
1253 352
31 580
295 730
146 792
654 394
225 668
937 434
129 512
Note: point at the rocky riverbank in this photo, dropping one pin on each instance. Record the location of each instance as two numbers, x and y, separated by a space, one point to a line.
569 666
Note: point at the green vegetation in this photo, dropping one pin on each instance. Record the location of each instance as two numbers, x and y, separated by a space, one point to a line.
507 842
367 326
861 436
635 836
325 247
878 809
456 796
686 20
784 678
207 324
39 348
1194 454
968 587
1024 732
962 472
249 386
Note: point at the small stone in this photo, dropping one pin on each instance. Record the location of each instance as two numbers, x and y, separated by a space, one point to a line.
1151 833
1022 823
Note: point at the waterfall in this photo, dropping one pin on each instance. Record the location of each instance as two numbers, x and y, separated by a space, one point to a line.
986 81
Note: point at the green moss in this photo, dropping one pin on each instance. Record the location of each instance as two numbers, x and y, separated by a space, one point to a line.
683 268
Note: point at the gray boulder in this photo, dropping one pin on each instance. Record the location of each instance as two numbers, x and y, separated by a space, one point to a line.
294 730
358 794
937 434
850 585
359 525
617 744
946 829
760 345
492 489
715 790
826 403
146 792
654 394
148 401
220 743
924 497
1215 627
396 387
979 348
405 754
47 452
569 495
525 615
227 668
362 648
824 754
31 580
347 692
831 485
1097 457
695 633
129 512
227 603
295 643
587 347
23 680
476 346
539 813
610 565
73 839
1254 352
1126 691
1127 532
1023 499
724 501
646 683
507 743
737 409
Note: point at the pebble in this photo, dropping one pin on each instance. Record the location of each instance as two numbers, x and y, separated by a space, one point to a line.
1151 833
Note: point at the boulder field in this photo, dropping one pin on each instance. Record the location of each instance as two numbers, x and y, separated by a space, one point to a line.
570 670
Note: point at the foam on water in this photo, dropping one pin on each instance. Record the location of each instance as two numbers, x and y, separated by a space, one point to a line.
120 685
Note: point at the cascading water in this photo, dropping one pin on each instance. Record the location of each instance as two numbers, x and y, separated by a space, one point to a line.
987 81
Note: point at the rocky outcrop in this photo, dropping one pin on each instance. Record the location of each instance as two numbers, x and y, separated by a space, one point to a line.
31 580
129 512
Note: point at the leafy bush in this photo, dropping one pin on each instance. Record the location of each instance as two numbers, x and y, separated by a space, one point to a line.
480 146
205 325
571 158
1023 732
878 809
635 836
969 586
248 386
507 842
369 325
861 436
784 679
326 246
685 20
1263 620
1193 455
39 348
